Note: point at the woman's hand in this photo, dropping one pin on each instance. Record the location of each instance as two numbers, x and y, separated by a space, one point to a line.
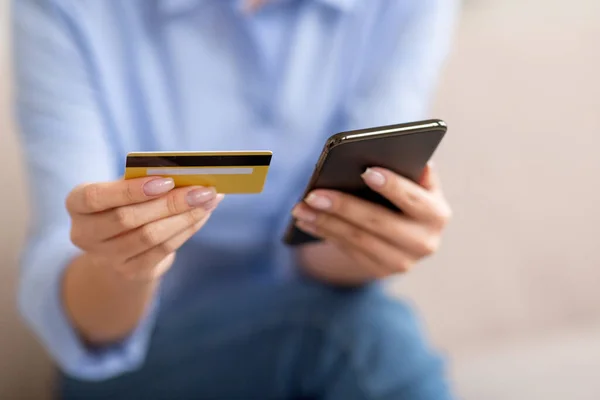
129 231
135 226
365 241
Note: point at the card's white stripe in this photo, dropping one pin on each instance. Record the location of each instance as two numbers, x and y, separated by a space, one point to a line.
199 171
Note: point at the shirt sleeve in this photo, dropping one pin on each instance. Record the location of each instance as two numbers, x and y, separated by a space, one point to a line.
400 76
63 137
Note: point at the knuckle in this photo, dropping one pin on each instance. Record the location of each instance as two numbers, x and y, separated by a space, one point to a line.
91 197
322 220
70 200
374 222
196 215
129 193
326 225
342 205
76 236
413 197
402 266
443 215
448 214
167 248
395 184
132 270
172 204
149 236
429 246
357 235
124 217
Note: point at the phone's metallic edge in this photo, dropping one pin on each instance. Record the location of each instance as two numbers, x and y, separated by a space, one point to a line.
392 130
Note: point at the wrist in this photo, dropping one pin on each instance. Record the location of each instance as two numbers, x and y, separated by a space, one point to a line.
326 263
101 303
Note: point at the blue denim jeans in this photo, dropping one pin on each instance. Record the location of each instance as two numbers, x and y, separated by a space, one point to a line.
289 340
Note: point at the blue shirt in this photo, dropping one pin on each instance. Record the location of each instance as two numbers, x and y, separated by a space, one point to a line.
98 78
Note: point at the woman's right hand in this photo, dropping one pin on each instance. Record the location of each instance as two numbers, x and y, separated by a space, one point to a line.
135 226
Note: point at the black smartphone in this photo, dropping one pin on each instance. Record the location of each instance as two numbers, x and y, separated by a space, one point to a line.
404 149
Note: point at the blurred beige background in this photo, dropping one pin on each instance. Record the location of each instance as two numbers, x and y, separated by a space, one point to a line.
24 372
513 298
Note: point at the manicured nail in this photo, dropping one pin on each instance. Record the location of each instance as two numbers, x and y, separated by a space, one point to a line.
373 178
302 214
319 202
158 186
201 197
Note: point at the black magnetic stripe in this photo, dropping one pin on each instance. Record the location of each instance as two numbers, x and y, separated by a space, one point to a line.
197 161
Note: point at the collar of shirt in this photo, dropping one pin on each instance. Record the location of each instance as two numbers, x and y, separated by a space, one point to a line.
178 6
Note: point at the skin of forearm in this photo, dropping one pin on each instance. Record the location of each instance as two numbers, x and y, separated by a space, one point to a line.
103 306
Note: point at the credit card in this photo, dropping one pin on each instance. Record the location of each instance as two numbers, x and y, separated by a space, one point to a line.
229 172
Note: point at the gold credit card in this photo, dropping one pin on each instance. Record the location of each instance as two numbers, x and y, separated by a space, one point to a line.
229 172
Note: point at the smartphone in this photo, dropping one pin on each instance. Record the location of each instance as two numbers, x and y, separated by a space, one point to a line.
404 149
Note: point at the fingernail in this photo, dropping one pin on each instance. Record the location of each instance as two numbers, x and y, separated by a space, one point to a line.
158 186
200 197
302 214
319 202
374 178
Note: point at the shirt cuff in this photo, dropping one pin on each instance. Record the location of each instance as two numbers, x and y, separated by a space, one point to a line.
41 305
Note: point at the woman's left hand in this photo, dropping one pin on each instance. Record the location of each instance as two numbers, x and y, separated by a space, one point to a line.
378 242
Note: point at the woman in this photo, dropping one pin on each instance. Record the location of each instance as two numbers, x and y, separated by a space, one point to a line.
140 290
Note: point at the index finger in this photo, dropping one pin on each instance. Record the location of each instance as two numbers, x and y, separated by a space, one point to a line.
96 197
413 199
